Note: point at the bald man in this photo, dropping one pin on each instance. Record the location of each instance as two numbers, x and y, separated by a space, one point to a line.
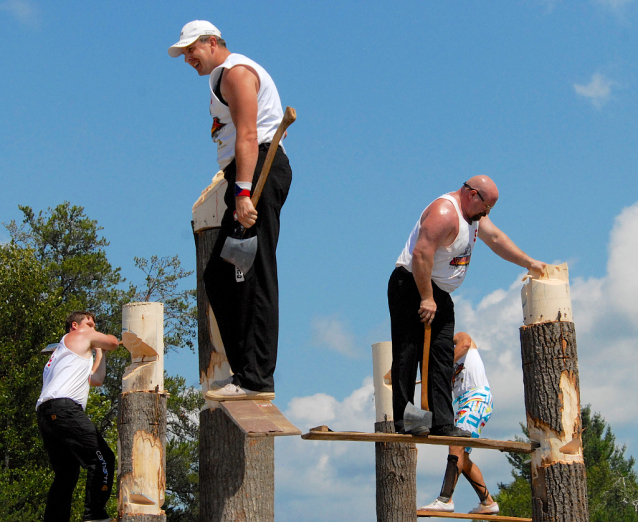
431 266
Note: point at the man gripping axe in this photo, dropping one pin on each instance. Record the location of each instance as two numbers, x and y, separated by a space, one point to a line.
433 264
246 112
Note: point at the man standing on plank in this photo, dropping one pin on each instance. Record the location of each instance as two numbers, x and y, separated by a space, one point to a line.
473 403
246 111
70 438
431 266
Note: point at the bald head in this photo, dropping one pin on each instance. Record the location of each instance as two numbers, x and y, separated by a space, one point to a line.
478 195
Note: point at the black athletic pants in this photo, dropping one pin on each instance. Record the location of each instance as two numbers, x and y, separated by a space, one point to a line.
247 312
72 440
407 349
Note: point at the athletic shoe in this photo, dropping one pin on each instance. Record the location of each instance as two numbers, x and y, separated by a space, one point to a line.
216 385
232 392
437 505
419 431
492 509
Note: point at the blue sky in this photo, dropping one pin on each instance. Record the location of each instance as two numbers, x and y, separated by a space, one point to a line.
397 103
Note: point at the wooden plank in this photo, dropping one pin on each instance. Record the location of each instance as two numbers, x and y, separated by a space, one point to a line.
468 516
355 436
259 418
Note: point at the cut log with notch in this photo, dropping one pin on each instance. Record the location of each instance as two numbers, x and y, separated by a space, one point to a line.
552 402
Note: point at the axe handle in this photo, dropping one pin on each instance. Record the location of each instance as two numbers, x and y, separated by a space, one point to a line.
289 117
427 334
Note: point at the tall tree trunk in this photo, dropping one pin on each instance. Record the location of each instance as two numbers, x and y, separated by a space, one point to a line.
552 403
396 478
141 476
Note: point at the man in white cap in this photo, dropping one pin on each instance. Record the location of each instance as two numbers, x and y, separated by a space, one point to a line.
246 111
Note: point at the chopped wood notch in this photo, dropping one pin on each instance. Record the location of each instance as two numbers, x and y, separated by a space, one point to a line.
467 516
136 346
259 418
508 446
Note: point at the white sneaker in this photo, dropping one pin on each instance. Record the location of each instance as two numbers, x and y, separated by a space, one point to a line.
437 505
492 509
232 392
216 385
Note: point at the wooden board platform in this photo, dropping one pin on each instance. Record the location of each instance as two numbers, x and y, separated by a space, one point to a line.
259 418
467 516
508 446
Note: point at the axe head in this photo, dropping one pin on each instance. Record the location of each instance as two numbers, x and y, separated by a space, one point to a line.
240 252
416 421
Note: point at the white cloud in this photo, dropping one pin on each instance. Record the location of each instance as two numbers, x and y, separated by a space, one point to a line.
335 480
334 334
614 4
598 90
25 11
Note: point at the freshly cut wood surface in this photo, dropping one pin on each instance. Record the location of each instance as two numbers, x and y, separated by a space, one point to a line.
259 418
467 516
501 445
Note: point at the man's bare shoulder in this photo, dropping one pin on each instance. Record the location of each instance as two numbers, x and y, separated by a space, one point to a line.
78 342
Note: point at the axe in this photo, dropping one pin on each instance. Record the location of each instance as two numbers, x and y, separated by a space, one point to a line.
237 250
415 421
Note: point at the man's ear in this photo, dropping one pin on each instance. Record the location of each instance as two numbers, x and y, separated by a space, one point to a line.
74 326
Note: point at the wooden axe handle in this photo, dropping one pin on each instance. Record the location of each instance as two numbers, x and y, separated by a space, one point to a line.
424 368
289 117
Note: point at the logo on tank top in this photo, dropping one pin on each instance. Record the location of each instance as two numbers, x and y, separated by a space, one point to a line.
458 368
462 260
216 128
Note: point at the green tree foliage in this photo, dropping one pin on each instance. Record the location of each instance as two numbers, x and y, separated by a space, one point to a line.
612 483
55 263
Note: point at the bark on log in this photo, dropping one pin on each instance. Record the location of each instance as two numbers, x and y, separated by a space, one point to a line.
396 478
142 455
237 473
552 403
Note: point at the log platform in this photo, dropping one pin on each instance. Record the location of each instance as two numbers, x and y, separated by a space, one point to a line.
468 516
509 446
259 418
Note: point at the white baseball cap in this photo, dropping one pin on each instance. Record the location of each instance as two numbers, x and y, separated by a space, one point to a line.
191 32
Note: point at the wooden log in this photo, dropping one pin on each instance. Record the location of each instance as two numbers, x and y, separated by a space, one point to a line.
552 403
396 477
508 446
141 477
237 472
143 336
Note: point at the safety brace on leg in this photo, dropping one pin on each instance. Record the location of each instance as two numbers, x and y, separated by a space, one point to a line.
449 481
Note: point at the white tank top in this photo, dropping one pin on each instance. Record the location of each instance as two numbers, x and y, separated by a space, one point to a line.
469 373
66 376
451 262
269 111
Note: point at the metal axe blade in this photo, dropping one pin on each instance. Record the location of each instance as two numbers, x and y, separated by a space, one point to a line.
240 252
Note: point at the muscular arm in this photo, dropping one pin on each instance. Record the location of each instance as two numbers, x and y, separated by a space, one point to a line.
504 247
438 223
239 87
462 343
98 372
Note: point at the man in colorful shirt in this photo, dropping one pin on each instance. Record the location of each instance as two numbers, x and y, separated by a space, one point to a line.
473 404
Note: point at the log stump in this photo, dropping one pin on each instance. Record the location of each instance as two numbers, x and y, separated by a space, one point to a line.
142 456
552 403
396 478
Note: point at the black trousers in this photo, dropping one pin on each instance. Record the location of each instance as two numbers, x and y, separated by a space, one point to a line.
72 440
407 348
247 311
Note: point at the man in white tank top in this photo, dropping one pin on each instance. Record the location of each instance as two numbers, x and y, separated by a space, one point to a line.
473 405
70 438
433 264
246 111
